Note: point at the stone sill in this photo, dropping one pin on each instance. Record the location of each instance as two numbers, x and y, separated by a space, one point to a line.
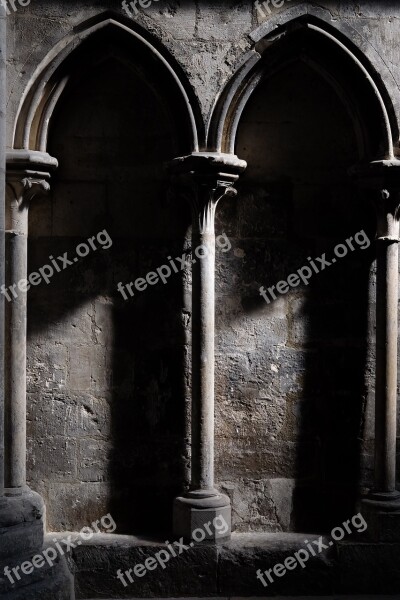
228 570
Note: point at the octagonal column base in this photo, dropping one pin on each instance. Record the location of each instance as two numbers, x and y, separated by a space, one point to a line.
382 514
203 516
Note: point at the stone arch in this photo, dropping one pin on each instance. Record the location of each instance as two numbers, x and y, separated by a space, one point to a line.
50 79
305 33
75 59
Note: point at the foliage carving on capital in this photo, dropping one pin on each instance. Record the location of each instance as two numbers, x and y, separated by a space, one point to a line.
24 189
204 203
20 192
203 198
203 179
387 205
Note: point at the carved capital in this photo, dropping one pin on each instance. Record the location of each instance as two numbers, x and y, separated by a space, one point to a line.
203 198
387 204
382 179
28 175
23 190
203 179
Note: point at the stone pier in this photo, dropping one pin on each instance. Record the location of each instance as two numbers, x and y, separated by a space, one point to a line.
22 511
206 179
382 505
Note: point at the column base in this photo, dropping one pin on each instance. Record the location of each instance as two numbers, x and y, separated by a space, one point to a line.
22 525
22 514
381 511
202 516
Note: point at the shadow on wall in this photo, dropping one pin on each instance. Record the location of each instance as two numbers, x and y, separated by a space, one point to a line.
107 425
292 398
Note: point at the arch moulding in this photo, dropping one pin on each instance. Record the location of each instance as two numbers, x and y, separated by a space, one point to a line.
281 29
49 80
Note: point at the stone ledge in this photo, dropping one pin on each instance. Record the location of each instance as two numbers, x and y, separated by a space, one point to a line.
228 570
47 583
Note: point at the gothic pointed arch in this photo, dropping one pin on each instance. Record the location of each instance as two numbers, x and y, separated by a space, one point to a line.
76 54
305 34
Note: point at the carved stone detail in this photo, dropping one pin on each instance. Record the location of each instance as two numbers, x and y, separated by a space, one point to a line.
387 204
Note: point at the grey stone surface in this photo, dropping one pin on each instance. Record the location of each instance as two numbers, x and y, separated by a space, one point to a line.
283 384
208 524
369 568
22 523
95 566
109 381
48 583
229 570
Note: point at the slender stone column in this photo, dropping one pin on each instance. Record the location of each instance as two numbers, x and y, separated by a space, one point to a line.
26 177
204 203
3 38
208 178
382 505
388 206
22 513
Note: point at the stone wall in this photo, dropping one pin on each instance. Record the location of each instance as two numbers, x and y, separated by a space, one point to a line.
106 377
108 380
292 383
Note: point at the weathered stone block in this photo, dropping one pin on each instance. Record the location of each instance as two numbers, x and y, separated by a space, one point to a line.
241 558
94 462
53 453
87 502
80 368
107 554
368 568
223 20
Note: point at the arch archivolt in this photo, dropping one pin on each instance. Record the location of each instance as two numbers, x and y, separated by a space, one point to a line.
271 38
50 79
279 41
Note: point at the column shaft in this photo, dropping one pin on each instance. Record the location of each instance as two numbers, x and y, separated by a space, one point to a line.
386 366
203 362
204 179
27 176
381 507
16 318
